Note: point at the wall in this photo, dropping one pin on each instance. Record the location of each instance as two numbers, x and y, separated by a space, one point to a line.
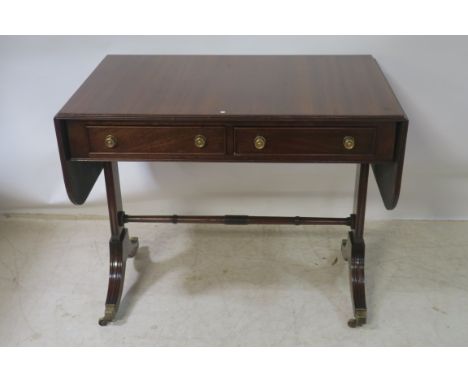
428 74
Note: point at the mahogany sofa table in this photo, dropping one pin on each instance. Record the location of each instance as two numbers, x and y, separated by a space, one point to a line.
302 109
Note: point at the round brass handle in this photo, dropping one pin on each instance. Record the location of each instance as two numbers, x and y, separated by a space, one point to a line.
348 143
200 141
110 141
259 142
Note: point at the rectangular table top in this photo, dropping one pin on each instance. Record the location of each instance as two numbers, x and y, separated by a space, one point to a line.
235 87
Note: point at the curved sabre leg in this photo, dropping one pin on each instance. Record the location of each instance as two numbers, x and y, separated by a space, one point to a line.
120 245
354 253
116 281
120 250
353 249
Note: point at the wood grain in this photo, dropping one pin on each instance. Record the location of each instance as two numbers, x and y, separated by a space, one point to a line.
152 107
374 143
156 140
134 86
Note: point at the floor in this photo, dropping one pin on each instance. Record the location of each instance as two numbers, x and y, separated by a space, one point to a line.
200 285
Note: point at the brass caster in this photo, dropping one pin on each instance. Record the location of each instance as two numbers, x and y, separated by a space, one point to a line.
103 321
354 323
359 320
109 315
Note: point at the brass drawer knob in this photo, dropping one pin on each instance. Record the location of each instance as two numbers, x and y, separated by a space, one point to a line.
200 141
348 143
260 142
110 141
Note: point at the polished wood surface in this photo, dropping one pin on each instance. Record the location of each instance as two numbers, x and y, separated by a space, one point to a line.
230 87
353 248
388 175
155 140
303 109
121 246
237 220
375 143
372 143
79 177
228 93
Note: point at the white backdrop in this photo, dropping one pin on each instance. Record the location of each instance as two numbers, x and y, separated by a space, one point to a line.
428 74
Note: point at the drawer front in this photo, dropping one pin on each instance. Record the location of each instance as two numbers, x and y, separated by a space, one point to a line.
330 142
91 141
156 140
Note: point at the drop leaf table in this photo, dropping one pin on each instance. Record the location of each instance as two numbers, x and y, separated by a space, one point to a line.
296 109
